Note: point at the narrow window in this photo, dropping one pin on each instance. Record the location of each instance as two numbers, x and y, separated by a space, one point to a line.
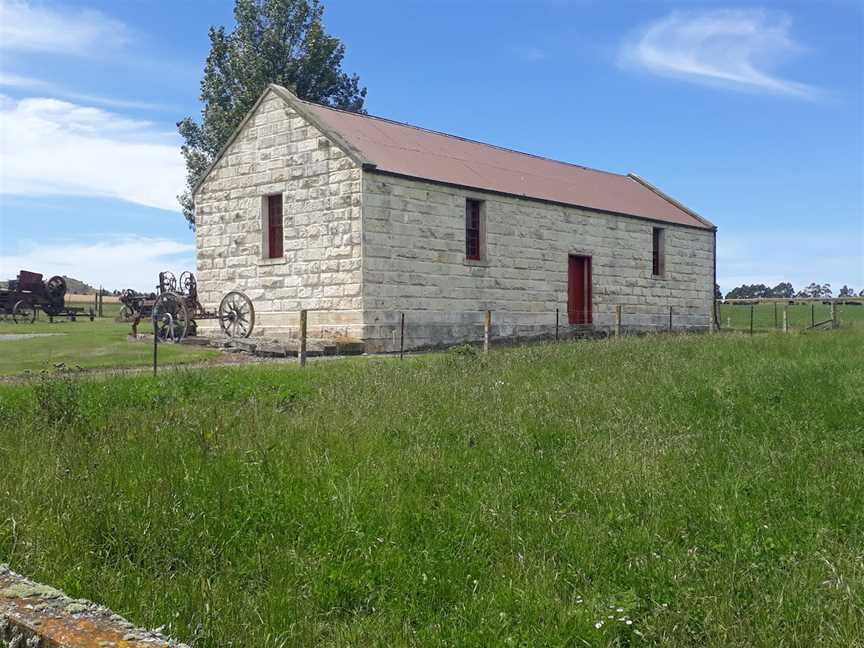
274 226
657 261
472 229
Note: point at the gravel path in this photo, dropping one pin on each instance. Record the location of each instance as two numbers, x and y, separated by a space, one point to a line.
11 337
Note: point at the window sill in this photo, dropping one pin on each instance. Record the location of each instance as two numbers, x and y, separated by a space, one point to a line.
482 263
271 262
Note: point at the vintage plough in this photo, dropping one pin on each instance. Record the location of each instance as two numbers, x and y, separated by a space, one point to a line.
176 308
28 294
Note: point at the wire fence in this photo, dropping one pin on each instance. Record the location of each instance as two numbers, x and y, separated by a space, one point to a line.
385 332
760 316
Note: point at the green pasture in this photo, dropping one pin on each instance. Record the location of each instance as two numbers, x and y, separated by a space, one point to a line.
654 491
99 344
768 316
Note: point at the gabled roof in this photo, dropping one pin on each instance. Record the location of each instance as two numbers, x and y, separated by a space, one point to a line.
401 149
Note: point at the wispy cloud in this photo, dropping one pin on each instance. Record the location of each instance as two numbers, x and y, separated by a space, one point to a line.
48 146
29 27
738 48
116 264
529 54
46 87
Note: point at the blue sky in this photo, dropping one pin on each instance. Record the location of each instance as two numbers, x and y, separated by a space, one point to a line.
751 114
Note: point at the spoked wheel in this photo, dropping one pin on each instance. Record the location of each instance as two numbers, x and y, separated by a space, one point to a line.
126 313
188 285
236 315
167 282
170 317
23 312
56 288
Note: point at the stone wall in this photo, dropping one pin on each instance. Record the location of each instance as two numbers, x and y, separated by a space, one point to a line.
38 616
414 261
277 151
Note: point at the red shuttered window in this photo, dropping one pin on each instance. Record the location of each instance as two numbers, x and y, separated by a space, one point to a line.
657 251
472 229
274 226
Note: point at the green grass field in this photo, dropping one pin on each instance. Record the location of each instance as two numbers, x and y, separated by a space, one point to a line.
768 317
90 345
665 491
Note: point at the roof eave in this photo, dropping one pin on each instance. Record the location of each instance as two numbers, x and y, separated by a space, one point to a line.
547 201
302 108
708 224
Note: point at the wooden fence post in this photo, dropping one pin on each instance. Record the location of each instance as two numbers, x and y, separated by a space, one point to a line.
751 318
487 329
775 315
786 318
556 324
303 320
617 320
812 315
833 314
402 337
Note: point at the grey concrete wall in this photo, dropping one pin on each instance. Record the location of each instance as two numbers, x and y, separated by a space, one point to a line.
277 151
414 261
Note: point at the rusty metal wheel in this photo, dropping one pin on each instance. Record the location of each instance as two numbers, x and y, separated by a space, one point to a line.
56 288
23 312
167 282
188 285
170 318
236 315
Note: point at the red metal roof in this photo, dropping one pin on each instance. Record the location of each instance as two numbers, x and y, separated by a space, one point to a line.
412 151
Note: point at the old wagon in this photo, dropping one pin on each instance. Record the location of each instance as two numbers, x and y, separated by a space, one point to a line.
176 308
28 294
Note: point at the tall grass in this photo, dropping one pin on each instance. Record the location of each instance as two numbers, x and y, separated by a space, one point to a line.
682 491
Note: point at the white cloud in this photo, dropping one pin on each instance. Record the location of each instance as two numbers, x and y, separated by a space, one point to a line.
734 47
25 26
114 264
40 85
48 146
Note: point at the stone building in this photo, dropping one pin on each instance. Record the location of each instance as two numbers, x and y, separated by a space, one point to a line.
359 219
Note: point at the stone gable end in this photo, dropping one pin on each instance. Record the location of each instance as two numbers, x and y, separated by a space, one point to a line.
278 152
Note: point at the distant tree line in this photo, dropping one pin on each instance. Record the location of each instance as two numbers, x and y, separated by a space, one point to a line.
784 290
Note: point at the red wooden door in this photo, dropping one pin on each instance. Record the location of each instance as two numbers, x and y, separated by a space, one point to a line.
579 289
274 226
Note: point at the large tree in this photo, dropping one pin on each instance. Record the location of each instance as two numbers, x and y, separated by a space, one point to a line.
274 41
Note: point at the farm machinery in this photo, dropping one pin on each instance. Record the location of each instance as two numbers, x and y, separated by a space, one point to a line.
28 294
175 309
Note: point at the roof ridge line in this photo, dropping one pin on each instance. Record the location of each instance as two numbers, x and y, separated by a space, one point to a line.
464 139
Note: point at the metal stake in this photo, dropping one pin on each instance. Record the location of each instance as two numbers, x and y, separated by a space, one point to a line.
487 327
402 337
155 345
